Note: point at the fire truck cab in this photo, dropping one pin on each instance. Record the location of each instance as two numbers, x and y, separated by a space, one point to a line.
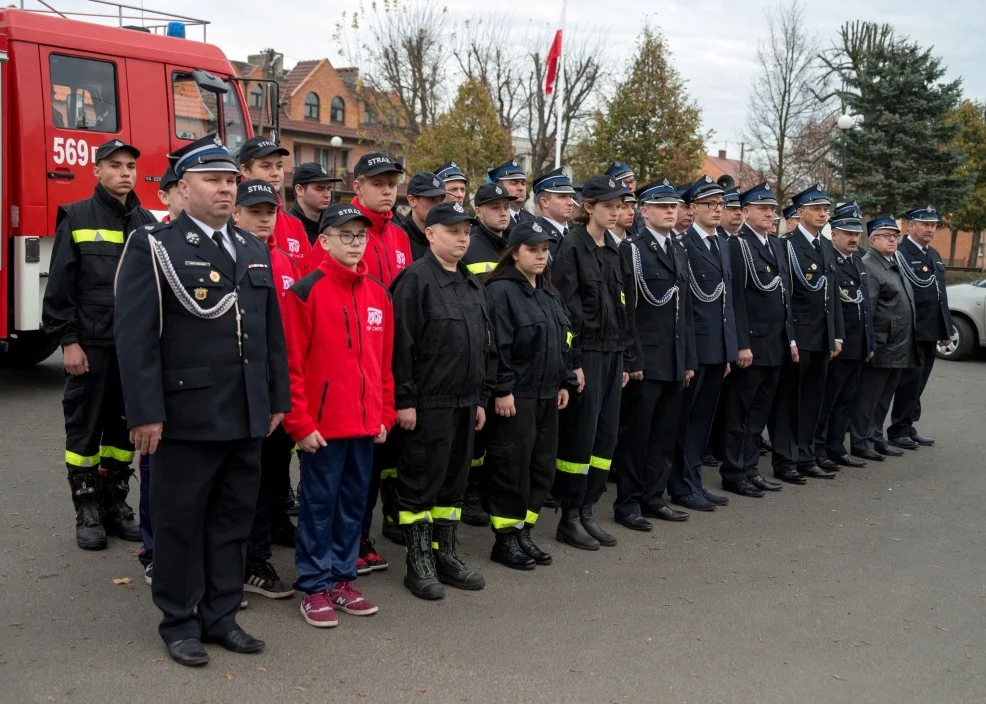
66 87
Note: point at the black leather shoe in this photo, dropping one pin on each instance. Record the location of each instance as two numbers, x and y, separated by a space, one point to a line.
696 502
665 513
743 488
816 472
905 443
634 521
571 531
715 499
709 460
791 476
188 652
594 529
237 641
888 451
827 464
850 461
869 454
761 482
922 440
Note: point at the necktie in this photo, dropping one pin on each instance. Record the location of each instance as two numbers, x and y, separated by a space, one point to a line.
713 245
564 233
217 237
817 244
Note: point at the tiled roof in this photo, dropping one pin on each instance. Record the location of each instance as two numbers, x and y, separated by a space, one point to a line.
297 75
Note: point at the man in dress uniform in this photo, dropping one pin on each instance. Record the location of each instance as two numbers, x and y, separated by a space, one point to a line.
204 371
761 281
858 345
791 218
455 182
818 335
512 178
685 215
926 272
621 172
710 277
555 198
732 214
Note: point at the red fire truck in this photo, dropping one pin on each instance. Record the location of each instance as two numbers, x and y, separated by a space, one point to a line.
67 86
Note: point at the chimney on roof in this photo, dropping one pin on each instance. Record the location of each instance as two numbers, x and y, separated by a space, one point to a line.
276 61
722 153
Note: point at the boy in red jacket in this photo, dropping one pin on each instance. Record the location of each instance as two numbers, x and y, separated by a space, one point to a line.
341 404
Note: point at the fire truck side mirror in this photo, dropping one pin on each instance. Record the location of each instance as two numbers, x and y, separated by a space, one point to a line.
206 81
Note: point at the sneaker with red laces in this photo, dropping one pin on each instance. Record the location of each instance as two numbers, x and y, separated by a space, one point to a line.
318 610
368 555
362 567
348 598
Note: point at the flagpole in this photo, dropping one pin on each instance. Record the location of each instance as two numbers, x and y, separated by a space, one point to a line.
560 89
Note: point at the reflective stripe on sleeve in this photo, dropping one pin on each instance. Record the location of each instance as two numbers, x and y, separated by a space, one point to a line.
114 236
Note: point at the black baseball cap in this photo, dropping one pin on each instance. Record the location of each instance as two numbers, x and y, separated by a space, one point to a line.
425 184
312 172
255 191
448 214
375 163
168 180
603 187
257 147
114 145
489 192
530 233
340 214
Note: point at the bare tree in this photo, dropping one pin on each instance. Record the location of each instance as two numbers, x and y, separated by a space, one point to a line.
485 52
786 122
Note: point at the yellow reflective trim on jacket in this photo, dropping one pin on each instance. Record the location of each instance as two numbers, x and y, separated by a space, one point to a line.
77 460
571 467
568 340
600 463
114 236
481 267
406 518
434 545
623 298
501 523
115 453
531 518
445 513
478 462
388 473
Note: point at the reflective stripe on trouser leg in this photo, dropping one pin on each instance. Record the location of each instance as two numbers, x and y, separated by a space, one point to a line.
531 518
406 518
116 453
73 459
506 523
600 463
445 513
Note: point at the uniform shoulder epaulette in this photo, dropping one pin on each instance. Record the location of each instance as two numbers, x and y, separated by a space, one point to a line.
156 227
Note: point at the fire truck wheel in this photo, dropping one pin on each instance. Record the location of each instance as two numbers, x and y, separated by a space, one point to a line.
26 350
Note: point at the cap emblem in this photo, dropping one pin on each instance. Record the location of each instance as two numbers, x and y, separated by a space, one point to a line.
322 169
612 183
436 183
499 191
708 180
766 186
536 227
453 165
458 208
513 163
117 143
218 142
929 208
665 182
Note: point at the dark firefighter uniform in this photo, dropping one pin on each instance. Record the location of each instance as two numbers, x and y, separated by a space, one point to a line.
202 351
304 174
925 269
444 367
78 308
594 281
533 334
818 325
842 385
661 305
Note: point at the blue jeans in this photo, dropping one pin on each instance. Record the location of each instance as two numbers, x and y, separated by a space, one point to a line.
334 482
146 553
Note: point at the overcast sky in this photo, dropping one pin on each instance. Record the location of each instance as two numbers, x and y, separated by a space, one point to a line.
713 42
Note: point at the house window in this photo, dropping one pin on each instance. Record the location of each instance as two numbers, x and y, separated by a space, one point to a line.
296 155
83 94
256 96
322 157
311 107
369 115
338 110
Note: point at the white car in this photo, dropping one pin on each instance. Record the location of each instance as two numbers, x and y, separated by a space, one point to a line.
967 303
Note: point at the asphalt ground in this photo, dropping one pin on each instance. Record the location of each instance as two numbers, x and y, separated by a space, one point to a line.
868 588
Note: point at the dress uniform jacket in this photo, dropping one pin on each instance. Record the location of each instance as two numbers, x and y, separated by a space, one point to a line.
715 322
520 216
202 378
89 238
484 250
894 318
665 338
857 316
553 244
809 306
934 322
763 318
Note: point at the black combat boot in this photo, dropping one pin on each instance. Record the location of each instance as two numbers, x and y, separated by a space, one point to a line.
390 528
86 490
450 567
571 531
526 544
419 568
118 517
593 528
473 512
507 552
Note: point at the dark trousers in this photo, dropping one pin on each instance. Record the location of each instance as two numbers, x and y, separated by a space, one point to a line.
275 468
96 432
146 553
588 429
434 465
698 414
204 497
876 390
383 480
837 404
520 461
749 407
648 434
334 481
910 387
799 400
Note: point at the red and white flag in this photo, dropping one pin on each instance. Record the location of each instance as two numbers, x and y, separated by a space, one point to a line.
554 54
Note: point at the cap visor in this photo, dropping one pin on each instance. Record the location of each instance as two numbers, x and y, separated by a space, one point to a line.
266 151
558 189
213 166
512 177
508 198
539 238
342 220
431 193
256 199
318 179
661 200
132 151
382 169
612 195
456 219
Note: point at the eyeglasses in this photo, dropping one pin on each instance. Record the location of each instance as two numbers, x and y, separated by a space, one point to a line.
350 237
713 205
887 235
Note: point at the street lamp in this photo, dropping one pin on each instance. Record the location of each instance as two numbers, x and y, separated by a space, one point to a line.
335 142
845 124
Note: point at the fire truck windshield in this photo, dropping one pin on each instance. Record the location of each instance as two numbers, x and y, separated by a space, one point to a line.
199 112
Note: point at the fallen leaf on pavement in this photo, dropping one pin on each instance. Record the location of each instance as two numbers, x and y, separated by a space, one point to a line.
122 580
